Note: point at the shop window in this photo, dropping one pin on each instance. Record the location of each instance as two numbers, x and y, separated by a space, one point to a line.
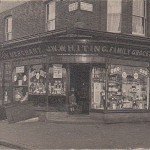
37 80
128 88
8 28
114 15
57 87
50 15
139 17
20 83
98 88
57 80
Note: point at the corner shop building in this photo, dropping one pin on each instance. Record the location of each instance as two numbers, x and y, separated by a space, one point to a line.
109 73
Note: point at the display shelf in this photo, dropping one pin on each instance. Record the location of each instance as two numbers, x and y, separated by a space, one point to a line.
37 94
20 85
53 95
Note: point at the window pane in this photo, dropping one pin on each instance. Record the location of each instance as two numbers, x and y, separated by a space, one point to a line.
138 18
114 22
51 25
51 16
128 88
8 28
10 24
138 7
138 24
51 11
114 15
114 6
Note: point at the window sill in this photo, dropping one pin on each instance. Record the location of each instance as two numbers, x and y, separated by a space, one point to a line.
136 34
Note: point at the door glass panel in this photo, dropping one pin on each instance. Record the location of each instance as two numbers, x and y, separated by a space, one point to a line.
97 88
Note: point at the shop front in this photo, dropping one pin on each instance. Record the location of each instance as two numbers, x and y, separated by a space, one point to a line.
105 77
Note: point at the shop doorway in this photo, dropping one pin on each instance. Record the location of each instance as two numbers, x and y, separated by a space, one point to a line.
79 81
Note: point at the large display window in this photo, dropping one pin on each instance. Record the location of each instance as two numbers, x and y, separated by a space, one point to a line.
98 87
20 83
128 88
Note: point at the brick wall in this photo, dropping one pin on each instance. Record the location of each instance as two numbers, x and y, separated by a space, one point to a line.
126 17
28 19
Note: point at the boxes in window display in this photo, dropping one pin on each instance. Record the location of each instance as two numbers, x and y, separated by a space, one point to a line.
135 99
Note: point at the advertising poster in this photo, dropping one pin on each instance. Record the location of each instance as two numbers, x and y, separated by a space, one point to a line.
57 71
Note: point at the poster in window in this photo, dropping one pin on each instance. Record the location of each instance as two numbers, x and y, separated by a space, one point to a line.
57 71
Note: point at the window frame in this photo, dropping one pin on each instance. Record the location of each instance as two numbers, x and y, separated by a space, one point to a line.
142 17
8 22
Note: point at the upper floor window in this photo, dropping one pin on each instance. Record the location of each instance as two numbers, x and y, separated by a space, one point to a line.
8 28
114 8
139 17
51 15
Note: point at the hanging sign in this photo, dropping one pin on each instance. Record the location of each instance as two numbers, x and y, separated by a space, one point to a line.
57 71
86 6
73 6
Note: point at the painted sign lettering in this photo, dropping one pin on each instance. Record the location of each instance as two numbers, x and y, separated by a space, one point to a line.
78 48
98 49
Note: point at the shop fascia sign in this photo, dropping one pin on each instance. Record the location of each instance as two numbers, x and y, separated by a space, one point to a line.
98 48
24 52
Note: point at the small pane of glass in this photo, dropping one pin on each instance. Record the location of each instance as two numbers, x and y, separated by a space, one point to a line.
8 28
51 16
138 24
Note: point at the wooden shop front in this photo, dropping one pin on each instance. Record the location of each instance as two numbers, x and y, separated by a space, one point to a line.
106 77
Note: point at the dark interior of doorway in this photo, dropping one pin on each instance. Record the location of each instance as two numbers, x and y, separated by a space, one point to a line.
79 81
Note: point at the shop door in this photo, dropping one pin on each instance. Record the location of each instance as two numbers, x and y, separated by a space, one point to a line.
79 81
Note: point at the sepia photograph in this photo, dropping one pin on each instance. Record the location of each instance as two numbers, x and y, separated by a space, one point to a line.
74 74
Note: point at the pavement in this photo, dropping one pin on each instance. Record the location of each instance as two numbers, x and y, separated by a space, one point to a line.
35 135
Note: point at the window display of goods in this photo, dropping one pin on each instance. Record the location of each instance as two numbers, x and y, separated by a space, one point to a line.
132 90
